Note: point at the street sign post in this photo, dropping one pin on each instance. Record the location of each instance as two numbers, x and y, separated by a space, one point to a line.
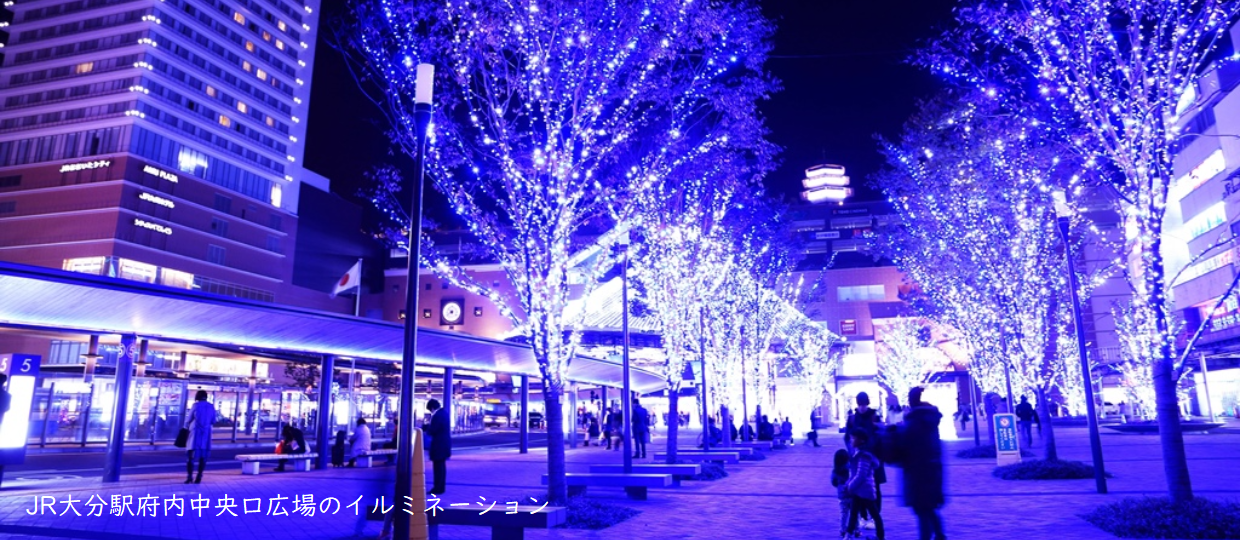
1007 443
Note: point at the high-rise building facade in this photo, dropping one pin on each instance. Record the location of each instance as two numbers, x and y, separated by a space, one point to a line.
156 140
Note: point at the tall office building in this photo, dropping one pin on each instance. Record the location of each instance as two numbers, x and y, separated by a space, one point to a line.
156 140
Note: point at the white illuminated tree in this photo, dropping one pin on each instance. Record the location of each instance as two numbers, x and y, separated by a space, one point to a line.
901 355
1115 71
549 115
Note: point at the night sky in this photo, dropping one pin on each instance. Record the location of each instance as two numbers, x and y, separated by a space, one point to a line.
841 63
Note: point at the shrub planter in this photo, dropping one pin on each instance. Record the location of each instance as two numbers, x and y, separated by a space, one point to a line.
592 514
711 471
1045 469
985 452
1151 517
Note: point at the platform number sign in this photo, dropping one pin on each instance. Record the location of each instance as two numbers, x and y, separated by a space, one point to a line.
23 371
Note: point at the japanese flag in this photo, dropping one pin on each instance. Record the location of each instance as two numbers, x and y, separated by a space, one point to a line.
349 280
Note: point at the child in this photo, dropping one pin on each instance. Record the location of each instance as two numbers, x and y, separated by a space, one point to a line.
338 450
839 477
861 484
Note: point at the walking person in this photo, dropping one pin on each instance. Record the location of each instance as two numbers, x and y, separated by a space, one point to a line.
615 420
359 443
922 459
641 429
1024 421
866 419
862 486
439 430
839 480
201 419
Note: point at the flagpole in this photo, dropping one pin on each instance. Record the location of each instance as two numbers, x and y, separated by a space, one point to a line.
357 301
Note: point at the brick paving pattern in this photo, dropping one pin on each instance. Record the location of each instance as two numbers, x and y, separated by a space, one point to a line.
786 496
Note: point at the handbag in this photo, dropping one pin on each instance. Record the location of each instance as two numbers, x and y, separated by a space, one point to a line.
280 447
182 438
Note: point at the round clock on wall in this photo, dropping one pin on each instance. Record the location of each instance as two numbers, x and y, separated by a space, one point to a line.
452 312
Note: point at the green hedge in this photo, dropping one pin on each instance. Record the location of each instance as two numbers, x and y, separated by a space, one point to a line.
1045 469
1150 517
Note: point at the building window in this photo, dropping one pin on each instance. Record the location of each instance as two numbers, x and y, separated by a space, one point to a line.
262 75
273 244
10 181
242 107
428 286
211 91
271 122
8 207
223 204
249 46
444 285
275 222
84 67
426 314
861 293
477 311
224 121
266 35
237 16
247 66
281 25
215 254
279 44
219 227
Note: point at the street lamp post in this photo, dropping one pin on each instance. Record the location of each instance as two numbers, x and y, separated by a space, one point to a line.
626 405
424 88
1063 215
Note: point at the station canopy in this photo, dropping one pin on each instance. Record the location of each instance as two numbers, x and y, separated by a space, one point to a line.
44 299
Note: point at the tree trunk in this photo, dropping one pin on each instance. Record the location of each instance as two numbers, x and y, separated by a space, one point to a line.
1050 357
557 486
673 423
1048 430
1175 461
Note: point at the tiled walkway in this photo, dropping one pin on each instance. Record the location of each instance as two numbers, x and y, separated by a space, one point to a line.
786 496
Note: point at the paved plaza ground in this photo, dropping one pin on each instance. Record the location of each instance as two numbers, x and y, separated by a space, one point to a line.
787 495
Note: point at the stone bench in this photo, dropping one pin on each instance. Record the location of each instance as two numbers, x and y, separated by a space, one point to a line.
368 460
679 471
699 455
504 526
742 450
634 484
251 462
757 445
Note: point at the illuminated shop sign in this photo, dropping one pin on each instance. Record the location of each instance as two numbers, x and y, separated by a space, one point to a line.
72 167
151 170
152 226
157 200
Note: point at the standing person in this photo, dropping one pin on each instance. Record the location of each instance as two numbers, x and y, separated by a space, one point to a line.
785 430
1024 420
592 431
839 479
359 443
862 486
812 435
641 429
294 443
201 418
922 459
607 427
6 399
866 419
440 432
616 422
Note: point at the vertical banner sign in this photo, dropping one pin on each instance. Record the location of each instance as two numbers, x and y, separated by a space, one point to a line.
22 370
1007 444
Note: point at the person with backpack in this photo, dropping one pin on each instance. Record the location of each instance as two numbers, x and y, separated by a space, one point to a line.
861 485
866 419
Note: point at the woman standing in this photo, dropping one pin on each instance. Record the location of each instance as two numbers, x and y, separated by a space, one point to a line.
201 418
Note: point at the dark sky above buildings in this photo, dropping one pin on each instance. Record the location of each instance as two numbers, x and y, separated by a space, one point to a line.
841 63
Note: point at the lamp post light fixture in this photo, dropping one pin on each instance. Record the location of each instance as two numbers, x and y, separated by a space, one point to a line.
140 368
1063 217
422 97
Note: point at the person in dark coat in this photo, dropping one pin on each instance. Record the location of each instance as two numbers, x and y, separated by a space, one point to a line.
338 449
867 420
641 429
922 459
766 430
294 443
439 430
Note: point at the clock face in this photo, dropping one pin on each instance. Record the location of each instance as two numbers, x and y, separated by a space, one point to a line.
452 312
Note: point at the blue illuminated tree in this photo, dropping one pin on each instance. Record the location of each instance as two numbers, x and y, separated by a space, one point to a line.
1114 71
550 115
